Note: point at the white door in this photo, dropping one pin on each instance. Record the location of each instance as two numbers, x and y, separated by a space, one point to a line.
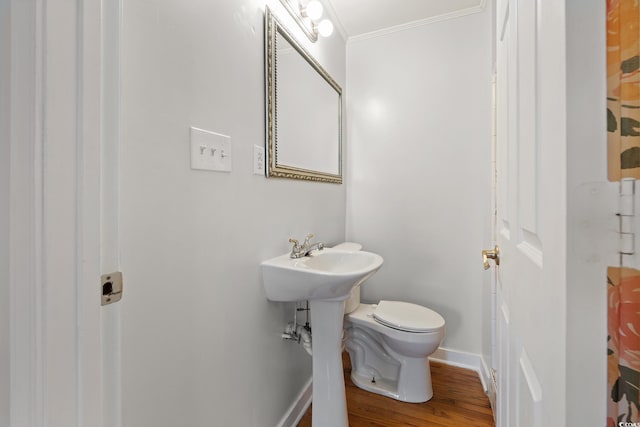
530 227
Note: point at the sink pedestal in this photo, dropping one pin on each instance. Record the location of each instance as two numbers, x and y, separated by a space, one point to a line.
325 279
329 398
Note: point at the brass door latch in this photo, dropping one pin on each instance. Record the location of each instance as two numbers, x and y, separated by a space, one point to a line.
488 254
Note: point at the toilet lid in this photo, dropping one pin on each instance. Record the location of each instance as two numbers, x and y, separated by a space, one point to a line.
407 317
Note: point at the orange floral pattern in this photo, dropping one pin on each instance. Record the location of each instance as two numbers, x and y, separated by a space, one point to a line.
623 89
623 159
623 346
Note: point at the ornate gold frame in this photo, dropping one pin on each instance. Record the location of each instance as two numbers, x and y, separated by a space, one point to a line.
273 169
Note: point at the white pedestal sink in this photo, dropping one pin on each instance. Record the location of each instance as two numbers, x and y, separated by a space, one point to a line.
325 279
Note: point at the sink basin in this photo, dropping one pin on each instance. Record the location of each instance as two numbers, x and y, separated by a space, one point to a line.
329 274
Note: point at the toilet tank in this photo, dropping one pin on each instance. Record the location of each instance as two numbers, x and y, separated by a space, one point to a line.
352 303
348 246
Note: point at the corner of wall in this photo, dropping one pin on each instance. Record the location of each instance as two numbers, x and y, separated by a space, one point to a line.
462 359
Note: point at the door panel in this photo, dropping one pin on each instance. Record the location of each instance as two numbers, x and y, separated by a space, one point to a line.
502 120
521 277
503 392
529 394
527 141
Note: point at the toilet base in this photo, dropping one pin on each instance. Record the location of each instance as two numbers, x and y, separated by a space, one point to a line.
376 368
388 361
380 386
419 391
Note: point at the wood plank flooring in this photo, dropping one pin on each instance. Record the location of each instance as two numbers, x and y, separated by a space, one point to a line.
458 400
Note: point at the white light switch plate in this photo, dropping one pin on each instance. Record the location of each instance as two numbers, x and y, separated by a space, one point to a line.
210 151
258 160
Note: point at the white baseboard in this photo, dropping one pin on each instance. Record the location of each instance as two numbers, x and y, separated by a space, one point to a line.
298 408
465 360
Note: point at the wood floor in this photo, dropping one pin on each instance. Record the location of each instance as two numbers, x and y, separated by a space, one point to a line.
458 400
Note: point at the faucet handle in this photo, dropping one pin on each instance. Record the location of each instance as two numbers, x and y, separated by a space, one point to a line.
307 240
296 249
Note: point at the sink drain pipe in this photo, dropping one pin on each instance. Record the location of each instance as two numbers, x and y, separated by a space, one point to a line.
299 333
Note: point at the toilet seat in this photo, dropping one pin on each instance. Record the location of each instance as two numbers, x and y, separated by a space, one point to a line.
407 317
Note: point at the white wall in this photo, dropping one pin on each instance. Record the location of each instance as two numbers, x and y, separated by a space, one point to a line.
201 344
419 188
591 207
5 39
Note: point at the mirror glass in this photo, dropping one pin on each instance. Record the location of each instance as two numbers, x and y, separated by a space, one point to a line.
304 111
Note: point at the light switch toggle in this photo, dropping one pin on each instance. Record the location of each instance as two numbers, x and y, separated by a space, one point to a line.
210 151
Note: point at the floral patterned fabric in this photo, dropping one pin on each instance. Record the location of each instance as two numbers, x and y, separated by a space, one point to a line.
623 346
623 158
623 89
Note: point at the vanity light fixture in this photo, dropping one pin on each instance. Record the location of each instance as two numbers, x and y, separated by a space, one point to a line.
313 10
308 15
325 28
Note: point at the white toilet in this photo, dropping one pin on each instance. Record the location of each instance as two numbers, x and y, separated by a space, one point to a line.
389 344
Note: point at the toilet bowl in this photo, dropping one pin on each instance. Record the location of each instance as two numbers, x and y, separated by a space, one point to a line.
389 344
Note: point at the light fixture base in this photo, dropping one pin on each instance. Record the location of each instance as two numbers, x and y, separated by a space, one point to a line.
299 14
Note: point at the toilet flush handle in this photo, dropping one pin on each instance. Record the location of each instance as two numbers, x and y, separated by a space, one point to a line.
493 254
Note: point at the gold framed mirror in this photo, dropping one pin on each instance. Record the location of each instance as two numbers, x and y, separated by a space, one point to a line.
303 111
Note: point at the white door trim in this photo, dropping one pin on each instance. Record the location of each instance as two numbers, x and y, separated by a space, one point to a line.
55 213
25 217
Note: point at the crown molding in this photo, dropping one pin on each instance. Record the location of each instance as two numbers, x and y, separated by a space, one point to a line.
418 23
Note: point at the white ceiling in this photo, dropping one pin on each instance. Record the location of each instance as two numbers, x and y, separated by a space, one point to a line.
358 17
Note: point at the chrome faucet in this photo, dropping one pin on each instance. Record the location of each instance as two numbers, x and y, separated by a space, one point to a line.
299 251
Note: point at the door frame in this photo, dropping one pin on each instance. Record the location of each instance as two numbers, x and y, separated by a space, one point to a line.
54 241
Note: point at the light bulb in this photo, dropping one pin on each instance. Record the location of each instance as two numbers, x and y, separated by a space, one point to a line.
325 28
314 9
